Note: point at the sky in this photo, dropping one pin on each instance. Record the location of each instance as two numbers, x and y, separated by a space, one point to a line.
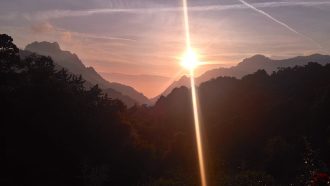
146 37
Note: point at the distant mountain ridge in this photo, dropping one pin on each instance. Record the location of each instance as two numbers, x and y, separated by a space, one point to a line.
248 66
73 64
150 85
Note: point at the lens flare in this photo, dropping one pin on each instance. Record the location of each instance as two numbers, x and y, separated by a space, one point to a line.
198 130
190 62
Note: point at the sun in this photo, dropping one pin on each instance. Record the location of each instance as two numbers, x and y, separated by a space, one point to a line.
190 60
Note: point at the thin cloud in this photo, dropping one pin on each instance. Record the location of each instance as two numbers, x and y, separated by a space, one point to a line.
55 14
44 27
47 27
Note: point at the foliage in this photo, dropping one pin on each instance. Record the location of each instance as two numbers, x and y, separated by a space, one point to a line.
55 132
259 130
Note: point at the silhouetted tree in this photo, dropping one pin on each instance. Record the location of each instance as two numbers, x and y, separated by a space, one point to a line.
9 54
255 128
51 125
263 129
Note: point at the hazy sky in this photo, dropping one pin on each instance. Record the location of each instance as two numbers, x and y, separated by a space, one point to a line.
146 36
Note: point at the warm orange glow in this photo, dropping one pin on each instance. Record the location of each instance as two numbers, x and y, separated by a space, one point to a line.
190 62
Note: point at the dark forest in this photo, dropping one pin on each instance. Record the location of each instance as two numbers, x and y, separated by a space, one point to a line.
262 129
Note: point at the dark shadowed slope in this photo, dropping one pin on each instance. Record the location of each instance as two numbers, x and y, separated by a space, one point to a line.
258 130
183 81
72 63
53 131
113 94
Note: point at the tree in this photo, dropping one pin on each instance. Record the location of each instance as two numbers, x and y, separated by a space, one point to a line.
9 54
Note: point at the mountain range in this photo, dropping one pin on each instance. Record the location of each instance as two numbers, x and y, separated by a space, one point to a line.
72 63
248 66
130 96
150 85
260 129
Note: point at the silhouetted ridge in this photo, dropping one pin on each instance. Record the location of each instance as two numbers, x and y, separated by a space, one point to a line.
54 131
256 59
264 129
71 62
43 46
251 65
184 80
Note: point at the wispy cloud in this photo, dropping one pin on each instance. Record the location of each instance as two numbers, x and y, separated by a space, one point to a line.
54 14
43 27
47 27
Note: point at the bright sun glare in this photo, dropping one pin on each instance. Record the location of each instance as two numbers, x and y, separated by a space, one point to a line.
190 60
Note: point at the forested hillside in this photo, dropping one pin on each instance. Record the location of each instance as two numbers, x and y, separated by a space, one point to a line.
259 130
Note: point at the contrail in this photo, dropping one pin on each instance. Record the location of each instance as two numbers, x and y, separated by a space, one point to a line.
283 24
